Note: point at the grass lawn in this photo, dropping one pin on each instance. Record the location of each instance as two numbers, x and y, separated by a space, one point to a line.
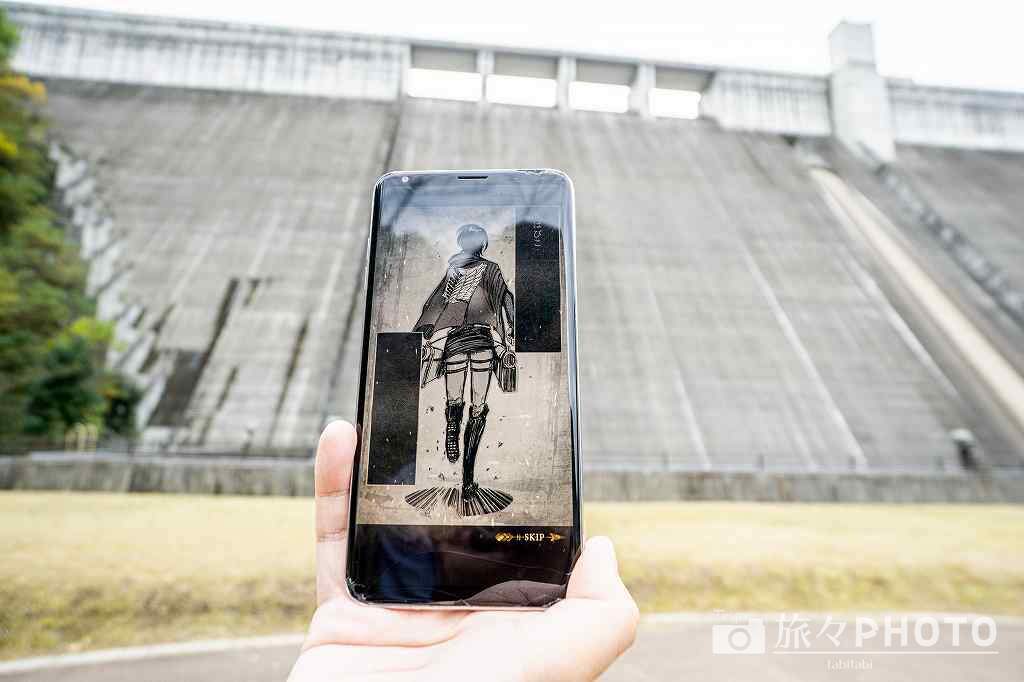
89 570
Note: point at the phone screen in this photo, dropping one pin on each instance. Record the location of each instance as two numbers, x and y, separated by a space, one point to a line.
466 489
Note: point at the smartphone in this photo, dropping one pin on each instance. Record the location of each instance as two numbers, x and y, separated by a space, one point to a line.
466 491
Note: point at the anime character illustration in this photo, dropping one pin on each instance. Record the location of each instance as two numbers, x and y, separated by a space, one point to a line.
468 324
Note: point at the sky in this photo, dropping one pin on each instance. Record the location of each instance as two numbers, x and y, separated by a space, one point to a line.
964 44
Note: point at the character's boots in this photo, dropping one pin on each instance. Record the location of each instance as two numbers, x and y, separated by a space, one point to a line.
474 432
453 416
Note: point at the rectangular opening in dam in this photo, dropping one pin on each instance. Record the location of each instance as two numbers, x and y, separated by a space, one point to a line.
599 97
521 90
439 84
667 103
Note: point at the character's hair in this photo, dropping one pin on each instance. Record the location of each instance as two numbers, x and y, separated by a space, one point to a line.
472 239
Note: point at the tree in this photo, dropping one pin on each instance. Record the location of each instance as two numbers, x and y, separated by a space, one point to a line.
51 346
121 397
68 391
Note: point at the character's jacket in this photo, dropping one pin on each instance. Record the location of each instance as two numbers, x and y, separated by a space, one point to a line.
473 293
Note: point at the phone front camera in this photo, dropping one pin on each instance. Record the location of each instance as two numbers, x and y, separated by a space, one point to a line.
405 178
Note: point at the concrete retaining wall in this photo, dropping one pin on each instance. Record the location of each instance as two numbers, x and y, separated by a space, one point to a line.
117 473
803 487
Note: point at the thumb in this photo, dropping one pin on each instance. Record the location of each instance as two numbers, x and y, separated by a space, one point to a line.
333 477
596 603
596 575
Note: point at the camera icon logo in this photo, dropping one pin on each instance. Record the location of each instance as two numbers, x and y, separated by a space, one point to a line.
730 638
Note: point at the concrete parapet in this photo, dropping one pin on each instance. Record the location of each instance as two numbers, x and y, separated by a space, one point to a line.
951 117
778 103
102 46
854 102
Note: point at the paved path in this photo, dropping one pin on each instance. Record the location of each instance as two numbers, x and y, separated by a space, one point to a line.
672 647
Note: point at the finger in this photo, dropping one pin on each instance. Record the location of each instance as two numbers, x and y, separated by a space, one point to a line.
597 603
596 574
332 481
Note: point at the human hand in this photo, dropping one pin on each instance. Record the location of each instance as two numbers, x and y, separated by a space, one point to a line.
576 639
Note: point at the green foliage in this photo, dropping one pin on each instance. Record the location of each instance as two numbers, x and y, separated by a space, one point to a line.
68 392
8 38
121 397
51 349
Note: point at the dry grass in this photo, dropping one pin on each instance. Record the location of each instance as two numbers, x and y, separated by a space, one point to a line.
86 570
704 556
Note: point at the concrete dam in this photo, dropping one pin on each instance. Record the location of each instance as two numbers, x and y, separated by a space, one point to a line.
754 283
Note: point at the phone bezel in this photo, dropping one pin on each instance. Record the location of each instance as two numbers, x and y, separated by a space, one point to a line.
524 177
